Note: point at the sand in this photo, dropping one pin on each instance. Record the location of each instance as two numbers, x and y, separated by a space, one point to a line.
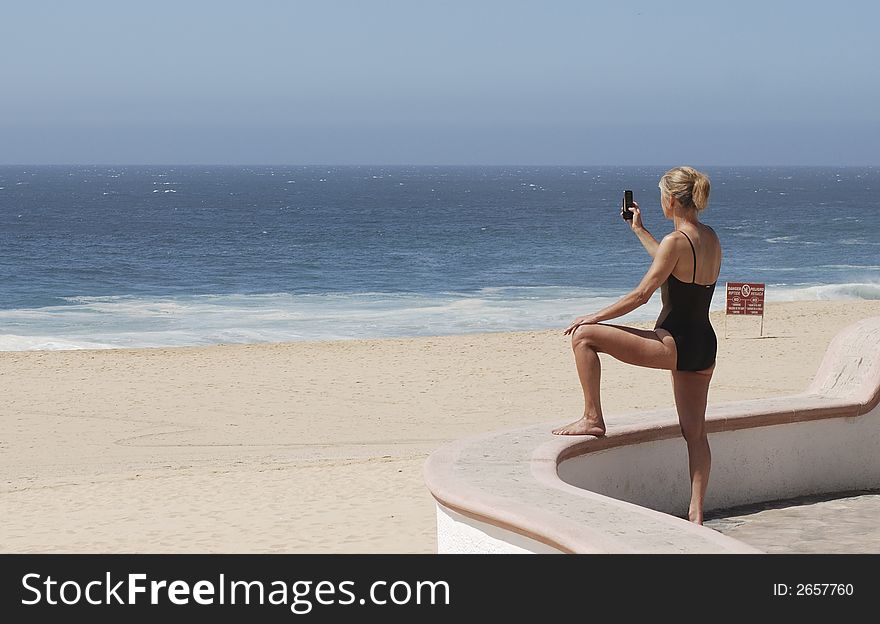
313 447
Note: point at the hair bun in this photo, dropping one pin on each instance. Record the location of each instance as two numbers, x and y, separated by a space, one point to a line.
700 193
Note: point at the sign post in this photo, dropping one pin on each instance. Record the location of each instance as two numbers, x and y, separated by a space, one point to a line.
745 298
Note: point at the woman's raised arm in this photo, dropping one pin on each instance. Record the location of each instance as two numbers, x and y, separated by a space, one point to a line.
645 238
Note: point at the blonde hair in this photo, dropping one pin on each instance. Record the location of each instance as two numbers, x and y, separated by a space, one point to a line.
688 186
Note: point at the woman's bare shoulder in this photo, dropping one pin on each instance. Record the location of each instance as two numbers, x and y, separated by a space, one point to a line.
712 231
716 241
675 236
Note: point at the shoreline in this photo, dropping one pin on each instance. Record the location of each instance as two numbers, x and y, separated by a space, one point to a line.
717 317
315 446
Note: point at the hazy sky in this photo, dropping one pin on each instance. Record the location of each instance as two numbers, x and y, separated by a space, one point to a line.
441 82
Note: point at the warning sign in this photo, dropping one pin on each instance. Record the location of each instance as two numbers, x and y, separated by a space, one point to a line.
745 298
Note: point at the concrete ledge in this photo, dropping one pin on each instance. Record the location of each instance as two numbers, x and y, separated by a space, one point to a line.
525 490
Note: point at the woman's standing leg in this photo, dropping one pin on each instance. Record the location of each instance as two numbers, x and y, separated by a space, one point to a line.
691 391
652 349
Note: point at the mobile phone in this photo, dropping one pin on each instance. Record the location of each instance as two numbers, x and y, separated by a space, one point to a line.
625 211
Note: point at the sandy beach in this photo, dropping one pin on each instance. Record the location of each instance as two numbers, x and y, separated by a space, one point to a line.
313 447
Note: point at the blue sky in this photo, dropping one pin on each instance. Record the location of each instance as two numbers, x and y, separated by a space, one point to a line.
457 82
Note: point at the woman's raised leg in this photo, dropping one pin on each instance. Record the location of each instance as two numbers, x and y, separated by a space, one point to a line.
652 349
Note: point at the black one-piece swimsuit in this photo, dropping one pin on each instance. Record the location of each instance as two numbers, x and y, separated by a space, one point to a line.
685 315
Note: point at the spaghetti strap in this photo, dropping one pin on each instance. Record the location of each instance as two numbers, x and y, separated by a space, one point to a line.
693 281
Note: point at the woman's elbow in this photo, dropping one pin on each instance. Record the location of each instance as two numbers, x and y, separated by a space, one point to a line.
642 296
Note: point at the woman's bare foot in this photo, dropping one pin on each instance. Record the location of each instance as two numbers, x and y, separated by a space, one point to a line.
584 426
695 516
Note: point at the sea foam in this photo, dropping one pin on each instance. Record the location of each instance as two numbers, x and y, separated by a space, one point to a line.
129 321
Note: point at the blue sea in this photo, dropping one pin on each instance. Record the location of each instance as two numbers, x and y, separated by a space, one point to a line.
148 256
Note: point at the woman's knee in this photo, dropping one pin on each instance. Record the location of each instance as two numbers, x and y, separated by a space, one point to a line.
693 432
584 336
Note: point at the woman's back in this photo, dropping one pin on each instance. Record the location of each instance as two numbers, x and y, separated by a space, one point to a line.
705 249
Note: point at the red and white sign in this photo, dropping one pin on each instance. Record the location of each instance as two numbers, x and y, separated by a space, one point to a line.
745 298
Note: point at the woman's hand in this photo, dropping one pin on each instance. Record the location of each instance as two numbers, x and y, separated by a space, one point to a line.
636 222
581 320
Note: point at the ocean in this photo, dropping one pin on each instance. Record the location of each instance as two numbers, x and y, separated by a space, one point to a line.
153 256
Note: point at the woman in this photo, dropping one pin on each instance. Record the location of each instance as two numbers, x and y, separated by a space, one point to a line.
685 267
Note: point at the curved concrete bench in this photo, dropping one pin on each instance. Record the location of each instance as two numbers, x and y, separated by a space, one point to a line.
525 490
